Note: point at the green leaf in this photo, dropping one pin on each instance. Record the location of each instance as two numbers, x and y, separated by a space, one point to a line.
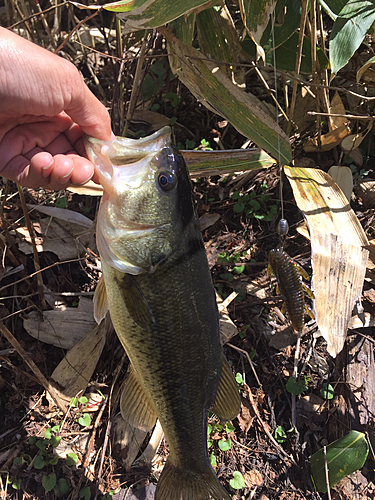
239 378
280 434
297 387
327 391
213 459
32 440
83 400
239 207
41 444
49 482
344 456
54 460
229 427
85 493
73 402
238 482
71 459
61 203
143 14
227 277
55 441
239 269
349 30
16 485
225 444
18 461
333 7
209 443
48 433
61 487
257 13
85 420
39 462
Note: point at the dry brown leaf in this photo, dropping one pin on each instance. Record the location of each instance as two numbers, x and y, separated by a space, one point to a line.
327 141
62 327
66 240
305 102
253 478
126 441
344 179
337 108
74 372
246 415
365 190
337 247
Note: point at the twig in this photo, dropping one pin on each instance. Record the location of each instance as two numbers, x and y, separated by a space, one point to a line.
35 251
279 448
30 363
326 471
249 360
352 117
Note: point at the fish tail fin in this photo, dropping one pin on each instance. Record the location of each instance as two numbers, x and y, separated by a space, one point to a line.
178 484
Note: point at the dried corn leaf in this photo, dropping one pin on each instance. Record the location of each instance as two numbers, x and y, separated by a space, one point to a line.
338 254
327 141
203 163
217 93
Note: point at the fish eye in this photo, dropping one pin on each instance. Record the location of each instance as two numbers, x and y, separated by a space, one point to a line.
167 180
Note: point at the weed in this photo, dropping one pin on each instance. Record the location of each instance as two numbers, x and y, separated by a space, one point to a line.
254 206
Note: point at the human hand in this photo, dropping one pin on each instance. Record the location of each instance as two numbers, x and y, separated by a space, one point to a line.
45 110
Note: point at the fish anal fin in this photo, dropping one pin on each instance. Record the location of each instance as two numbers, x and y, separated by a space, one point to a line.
177 482
100 301
227 402
135 405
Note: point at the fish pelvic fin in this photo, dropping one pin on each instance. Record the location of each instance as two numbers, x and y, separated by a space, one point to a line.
135 405
176 483
100 301
227 402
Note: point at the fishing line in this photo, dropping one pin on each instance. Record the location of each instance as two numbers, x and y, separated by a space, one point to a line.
282 227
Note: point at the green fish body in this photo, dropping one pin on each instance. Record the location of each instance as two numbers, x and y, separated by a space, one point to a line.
157 287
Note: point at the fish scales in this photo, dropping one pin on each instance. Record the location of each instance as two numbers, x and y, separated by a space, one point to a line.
290 285
162 304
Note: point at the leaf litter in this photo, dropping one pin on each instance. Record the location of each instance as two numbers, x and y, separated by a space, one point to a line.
237 242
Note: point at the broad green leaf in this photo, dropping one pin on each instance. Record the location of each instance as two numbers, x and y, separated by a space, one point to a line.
344 456
218 40
49 482
71 459
61 487
333 7
48 433
85 493
85 420
327 391
229 427
39 462
280 434
224 444
297 386
216 91
238 482
213 459
239 378
349 30
146 14
291 22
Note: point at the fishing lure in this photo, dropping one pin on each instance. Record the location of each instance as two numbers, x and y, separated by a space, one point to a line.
289 278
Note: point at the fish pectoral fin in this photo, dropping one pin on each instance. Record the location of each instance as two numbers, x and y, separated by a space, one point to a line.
100 301
136 303
227 402
135 405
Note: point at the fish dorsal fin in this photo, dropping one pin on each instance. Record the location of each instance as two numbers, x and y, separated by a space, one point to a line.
136 303
100 301
135 405
227 402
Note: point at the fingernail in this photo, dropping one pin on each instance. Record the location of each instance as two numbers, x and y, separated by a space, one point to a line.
84 182
64 178
46 170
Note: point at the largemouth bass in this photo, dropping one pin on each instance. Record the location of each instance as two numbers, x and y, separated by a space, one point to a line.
157 287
